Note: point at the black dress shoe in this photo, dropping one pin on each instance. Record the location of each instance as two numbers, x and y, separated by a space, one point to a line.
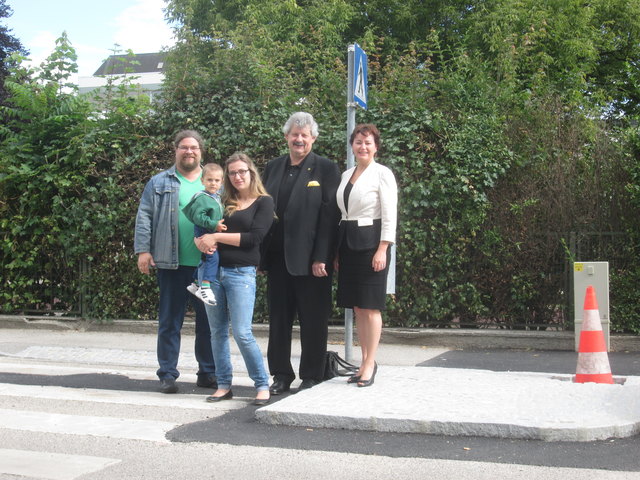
353 379
207 381
278 387
168 385
226 396
307 384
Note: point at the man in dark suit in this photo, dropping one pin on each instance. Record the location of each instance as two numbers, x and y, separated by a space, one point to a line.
299 254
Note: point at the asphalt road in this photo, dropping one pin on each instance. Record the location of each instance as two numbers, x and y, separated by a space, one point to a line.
234 430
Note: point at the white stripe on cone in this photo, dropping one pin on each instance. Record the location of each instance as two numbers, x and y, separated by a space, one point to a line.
593 363
591 321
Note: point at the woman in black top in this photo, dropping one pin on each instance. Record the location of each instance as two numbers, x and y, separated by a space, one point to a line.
248 217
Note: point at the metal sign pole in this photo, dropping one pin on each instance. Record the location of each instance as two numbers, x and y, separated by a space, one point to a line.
351 124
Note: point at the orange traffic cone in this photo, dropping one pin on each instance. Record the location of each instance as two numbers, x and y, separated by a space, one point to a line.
593 361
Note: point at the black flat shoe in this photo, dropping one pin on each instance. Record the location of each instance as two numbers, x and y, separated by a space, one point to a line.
226 396
368 383
261 401
353 379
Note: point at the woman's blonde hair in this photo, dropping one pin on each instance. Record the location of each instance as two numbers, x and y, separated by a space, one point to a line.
230 194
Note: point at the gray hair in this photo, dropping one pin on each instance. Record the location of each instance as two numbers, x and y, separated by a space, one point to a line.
188 134
301 119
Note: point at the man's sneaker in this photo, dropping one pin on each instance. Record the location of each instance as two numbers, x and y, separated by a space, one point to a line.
206 295
193 289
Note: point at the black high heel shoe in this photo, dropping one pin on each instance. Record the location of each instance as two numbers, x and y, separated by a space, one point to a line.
368 383
353 379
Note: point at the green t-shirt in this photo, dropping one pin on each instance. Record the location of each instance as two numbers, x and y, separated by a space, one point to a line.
188 253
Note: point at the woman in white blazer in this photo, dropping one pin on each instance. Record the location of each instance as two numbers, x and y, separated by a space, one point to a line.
367 198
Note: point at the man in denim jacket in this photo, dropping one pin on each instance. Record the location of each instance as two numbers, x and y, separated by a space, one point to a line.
164 241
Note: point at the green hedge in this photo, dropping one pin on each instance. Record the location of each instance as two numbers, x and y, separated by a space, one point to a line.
492 177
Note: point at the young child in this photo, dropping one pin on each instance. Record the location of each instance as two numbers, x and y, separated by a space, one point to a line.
205 211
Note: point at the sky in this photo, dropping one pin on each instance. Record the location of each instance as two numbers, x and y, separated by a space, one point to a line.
93 28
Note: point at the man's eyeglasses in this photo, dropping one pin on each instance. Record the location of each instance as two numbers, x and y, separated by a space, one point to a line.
186 149
236 173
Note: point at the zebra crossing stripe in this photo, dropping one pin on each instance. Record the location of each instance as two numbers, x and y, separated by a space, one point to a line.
150 399
61 370
105 356
50 466
59 423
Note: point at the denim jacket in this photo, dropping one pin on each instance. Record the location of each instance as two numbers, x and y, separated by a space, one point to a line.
157 220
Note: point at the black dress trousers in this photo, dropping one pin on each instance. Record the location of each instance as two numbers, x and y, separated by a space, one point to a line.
309 298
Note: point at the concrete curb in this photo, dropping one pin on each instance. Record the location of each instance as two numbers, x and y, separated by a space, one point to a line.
446 401
447 337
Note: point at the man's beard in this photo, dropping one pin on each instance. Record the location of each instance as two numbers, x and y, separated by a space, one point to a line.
189 164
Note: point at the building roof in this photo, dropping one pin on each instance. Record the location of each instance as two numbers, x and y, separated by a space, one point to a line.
136 63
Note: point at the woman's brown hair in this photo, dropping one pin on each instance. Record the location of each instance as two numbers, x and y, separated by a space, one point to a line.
230 194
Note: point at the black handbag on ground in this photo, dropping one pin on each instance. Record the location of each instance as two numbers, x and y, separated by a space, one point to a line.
335 366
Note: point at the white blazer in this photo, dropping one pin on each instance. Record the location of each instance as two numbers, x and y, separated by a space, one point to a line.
373 196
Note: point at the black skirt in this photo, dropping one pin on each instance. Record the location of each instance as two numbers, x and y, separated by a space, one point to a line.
358 285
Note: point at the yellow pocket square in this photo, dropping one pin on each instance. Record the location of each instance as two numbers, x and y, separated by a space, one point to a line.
313 183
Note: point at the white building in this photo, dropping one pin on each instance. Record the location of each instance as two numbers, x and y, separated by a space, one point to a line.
144 70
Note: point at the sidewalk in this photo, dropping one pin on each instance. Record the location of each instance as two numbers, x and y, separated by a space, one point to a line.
423 389
435 337
466 402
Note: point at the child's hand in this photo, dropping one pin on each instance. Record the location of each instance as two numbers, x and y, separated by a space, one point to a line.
221 226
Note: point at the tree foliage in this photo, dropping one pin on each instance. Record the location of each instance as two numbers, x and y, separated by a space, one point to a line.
8 46
66 191
511 127
492 115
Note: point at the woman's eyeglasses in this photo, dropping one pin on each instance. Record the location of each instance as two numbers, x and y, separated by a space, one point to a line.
238 173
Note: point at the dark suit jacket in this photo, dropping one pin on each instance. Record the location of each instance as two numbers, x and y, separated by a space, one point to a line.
311 216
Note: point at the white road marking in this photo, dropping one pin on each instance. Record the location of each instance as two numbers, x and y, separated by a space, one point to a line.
149 399
59 423
61 370
50 466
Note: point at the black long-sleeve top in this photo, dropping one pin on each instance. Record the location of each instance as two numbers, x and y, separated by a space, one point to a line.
252 223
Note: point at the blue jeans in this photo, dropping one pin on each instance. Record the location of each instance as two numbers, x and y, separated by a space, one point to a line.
208 268
235 291
173 305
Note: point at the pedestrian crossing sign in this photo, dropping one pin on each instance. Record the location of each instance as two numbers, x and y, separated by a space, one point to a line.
360 88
